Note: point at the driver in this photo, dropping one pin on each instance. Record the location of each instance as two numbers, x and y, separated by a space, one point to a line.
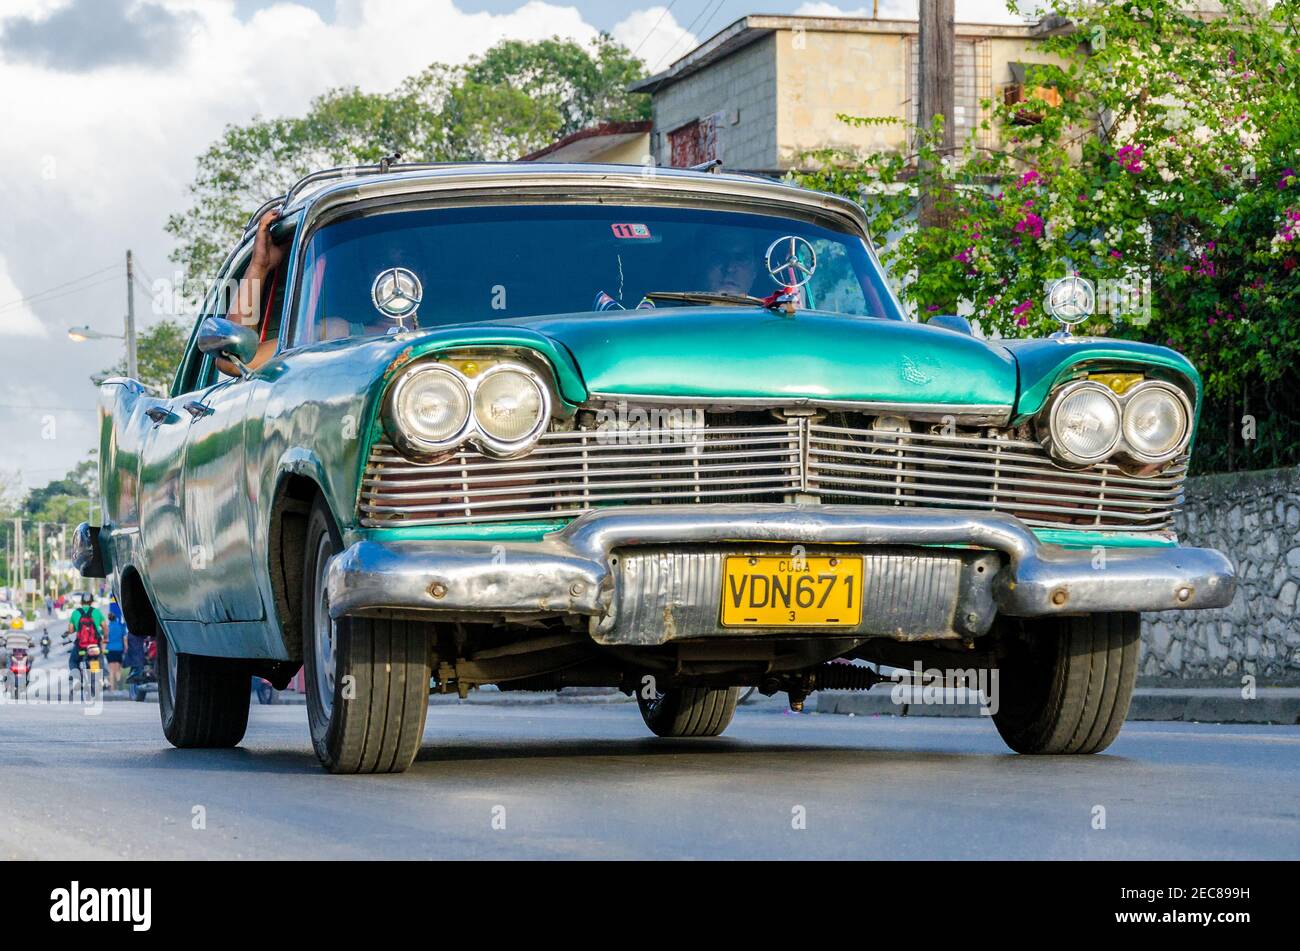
732 266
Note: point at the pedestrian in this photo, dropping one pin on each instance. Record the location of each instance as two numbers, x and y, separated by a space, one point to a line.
116 642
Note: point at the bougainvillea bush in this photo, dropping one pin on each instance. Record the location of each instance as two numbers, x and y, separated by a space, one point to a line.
1165 167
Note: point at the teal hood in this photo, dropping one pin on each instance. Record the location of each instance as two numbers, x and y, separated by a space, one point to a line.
718 352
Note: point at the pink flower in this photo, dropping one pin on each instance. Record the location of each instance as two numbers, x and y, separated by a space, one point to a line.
1028 178
1030 224
1130 157
1115 253
1288 176
1022 308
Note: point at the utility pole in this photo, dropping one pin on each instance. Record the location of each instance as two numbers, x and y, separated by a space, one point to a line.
132 371
936 89
40 553
22 561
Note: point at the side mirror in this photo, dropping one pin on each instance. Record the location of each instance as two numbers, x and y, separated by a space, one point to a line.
224 338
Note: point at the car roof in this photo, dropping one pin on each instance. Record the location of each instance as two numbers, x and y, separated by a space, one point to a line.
331 187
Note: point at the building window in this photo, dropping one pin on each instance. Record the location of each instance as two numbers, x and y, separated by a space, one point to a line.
972 84
694 143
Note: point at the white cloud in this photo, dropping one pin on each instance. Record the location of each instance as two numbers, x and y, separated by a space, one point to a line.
967 11
92 162
655 36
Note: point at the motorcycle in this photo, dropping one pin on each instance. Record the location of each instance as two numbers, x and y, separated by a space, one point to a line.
137 684
45 646
90 664
19 667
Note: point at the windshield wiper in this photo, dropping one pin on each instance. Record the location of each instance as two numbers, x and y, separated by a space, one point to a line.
783 299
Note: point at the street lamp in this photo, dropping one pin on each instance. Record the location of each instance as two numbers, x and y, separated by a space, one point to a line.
81 334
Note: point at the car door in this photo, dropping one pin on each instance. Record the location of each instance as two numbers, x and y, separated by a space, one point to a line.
164 547
218 509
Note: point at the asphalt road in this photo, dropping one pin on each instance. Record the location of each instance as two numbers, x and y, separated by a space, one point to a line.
586 780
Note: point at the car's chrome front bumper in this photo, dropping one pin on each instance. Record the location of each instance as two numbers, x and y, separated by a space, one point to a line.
649 574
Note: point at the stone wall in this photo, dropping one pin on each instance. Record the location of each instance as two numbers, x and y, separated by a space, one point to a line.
1253 518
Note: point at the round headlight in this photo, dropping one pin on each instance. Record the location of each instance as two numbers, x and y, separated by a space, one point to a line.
431 407
510 406
1156 422
1085 423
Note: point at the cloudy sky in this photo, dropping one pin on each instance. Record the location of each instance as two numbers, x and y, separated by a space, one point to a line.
106 103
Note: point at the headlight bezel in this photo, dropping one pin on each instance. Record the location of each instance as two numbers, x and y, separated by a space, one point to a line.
1121 452
506 449
471 430
402 435
1058 448
1184 438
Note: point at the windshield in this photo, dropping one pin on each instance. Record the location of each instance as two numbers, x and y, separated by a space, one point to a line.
495 262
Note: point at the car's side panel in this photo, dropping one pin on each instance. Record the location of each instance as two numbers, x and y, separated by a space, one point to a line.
164 555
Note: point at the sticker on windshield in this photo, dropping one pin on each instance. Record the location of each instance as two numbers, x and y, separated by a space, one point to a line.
630 231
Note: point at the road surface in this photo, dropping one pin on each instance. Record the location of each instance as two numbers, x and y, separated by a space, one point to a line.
585 780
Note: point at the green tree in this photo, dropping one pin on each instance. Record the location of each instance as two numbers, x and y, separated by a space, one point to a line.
158 353
1170 159
514 99
583 85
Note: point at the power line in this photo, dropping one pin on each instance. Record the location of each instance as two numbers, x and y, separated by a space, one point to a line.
704 30
56 287
67 293
667 10
687 31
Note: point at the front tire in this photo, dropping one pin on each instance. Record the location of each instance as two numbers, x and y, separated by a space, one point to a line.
689 711
367 679
1066 685
203 701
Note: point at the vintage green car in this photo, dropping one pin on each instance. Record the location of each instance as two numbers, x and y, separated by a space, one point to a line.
549 426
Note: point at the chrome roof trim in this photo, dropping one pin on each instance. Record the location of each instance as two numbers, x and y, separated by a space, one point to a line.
556 178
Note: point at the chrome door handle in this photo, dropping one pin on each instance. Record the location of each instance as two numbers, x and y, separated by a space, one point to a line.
197 409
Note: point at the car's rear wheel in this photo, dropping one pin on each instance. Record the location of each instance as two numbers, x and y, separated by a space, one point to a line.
1066 685
367 679
689 711
203 701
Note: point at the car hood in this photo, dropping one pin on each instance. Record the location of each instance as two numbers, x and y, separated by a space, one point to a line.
718 352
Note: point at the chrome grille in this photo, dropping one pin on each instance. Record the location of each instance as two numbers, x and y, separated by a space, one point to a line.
755 458
1010 475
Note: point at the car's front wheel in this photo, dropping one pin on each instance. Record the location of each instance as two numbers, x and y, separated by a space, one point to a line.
367 679
688 711
203 700
1065 685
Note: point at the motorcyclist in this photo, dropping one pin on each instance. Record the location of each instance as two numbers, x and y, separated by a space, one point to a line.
89 625
18 646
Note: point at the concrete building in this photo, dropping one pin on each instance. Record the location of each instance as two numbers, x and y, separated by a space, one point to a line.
768 89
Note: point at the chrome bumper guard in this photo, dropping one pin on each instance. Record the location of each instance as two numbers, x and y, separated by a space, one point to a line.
585 569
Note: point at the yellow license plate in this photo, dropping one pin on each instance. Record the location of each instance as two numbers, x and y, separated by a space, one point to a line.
787 591
94 666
